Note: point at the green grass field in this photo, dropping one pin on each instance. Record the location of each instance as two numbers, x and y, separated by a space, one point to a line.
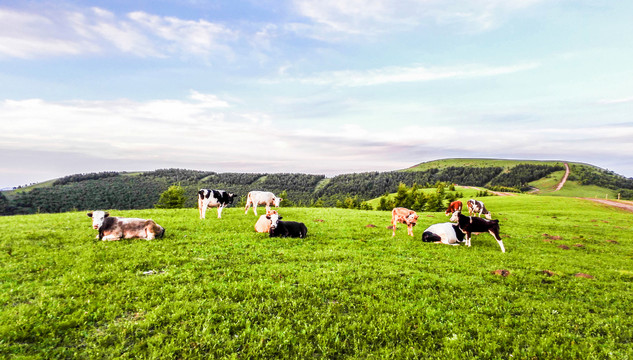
460 162
217 289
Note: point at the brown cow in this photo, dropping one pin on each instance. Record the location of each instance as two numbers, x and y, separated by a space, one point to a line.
454 206
405 216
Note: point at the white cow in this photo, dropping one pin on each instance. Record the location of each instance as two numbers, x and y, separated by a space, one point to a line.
255 198
445 233
117 228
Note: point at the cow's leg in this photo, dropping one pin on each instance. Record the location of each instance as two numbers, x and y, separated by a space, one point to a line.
220 207
248 204
410 230
495 234
267 208
112 237
203 209
468 239
393 226
255 208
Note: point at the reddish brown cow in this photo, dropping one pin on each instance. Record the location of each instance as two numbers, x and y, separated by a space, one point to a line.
454 206
404 216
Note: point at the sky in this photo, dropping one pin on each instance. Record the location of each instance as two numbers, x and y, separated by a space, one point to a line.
310 86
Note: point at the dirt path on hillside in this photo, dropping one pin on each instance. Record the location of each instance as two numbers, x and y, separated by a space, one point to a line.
564 179
622 204
490 191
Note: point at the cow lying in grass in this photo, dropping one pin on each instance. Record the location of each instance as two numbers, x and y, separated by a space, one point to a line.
263 223
444 233
280 228
404 216
117 228
475 225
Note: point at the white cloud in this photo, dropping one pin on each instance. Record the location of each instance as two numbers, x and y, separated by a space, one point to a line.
396 74
95 30
370 17
616 101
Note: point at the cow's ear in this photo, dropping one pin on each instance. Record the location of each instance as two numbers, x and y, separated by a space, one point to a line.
89 214
106 214
280 218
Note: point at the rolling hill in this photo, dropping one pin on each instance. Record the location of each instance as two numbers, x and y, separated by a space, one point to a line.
141 190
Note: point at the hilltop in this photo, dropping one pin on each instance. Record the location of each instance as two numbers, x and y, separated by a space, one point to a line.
141 190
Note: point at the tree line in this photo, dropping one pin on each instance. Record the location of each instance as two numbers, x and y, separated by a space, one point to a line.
112 190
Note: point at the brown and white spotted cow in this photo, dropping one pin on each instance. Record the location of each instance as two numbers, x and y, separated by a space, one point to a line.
478 207
263 224
404 216
255 198
117 228
454 206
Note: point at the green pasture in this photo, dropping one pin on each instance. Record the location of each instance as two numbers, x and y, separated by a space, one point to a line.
466 162
216 289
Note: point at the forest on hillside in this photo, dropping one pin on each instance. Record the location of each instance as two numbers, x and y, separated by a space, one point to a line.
113 190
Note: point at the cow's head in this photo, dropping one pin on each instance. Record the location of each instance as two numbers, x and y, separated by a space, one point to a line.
231 196
274 218
97 218
412 218
276 201
455 217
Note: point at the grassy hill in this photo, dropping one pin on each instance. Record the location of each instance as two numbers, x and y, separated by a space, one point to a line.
466 162
216 289
141 190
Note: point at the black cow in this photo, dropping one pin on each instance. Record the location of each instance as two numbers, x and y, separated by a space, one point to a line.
286 228
476 225
213 198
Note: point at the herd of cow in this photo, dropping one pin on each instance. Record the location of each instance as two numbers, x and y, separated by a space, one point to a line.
459 229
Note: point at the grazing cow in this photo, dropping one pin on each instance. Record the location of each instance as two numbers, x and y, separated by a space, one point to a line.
478 207
445 233
213 198
454 206
405 216
286 228
263 224
255 198
117 228
475 225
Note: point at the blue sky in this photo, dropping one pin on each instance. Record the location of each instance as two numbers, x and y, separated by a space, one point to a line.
314 86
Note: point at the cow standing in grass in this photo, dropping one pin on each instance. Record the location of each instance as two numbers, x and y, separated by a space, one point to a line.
213 198
117 228
454 206
255 198
478 207
475 225
404 216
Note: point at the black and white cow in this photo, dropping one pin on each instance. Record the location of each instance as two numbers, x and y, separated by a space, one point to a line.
213 198
475 225
445 233
280 228
478 207
117 228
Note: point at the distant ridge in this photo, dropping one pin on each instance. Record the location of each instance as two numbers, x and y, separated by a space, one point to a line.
141 190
